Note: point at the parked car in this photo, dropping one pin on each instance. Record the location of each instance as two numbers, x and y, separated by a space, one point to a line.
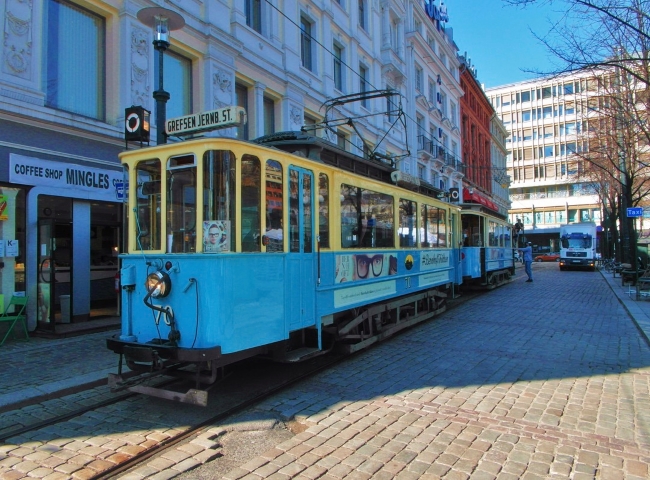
547 257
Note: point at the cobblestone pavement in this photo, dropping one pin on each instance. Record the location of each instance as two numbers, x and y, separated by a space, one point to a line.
542 380
548 379
41 368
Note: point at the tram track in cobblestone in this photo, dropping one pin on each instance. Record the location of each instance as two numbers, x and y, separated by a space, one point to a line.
100 440
235 410
220 416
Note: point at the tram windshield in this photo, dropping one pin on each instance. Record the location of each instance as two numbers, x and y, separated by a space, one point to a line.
148 209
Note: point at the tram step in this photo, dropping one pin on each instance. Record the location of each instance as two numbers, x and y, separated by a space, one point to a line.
301 354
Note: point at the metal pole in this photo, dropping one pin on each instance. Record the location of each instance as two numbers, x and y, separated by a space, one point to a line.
160 95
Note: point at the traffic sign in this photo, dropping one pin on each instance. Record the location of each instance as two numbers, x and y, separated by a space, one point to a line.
635 212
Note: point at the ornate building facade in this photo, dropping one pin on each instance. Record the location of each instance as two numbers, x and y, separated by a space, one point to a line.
64 91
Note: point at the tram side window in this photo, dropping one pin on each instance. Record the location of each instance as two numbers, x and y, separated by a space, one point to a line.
219 200
250 203
367 218
274 238
407 223
300 200
472 228
433 227
148 222
323 210
181 204
493 240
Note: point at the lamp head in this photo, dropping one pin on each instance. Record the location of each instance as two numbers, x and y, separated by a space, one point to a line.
162 20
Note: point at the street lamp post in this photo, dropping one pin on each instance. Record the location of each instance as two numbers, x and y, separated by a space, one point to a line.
163 21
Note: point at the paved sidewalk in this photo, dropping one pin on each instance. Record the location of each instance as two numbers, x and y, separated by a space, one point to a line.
41 369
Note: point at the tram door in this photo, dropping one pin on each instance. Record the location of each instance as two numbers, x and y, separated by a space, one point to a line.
301 261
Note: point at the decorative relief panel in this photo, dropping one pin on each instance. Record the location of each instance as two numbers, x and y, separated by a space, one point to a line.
140 87
17 45
296 117
222 89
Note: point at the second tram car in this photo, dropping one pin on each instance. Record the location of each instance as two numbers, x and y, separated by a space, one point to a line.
282 248
487 255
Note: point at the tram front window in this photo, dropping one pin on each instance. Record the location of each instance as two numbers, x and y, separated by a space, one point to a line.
218 197
148 212
181 210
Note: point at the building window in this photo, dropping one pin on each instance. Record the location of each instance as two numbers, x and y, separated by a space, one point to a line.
548 151
362 14
432 92
178 83
432 43
525 96
338 67
363 84
419 120
254 14
341 139
306 43
241 95
269 116
75 59
418 78
394 35
454 114
421 171
443 103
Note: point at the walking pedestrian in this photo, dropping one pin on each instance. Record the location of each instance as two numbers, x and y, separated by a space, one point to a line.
527 252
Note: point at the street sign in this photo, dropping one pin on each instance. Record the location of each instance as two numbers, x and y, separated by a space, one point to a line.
203 122
635 212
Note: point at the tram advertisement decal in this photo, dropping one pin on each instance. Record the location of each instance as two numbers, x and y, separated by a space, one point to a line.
363 293
434 259
216 235
434 278
364 266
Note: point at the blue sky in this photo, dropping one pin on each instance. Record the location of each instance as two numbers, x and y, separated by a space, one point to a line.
497 38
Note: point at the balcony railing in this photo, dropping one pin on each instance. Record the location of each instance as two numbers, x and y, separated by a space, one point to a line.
437 151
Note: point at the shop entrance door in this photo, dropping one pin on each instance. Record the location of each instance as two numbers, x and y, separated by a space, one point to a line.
54 262
46 275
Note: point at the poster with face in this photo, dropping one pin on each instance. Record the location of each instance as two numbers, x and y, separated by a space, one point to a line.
216 236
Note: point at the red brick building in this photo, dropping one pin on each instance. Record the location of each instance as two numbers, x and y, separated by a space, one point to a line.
475 112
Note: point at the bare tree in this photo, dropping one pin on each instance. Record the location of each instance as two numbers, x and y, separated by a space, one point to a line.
610 41
597 33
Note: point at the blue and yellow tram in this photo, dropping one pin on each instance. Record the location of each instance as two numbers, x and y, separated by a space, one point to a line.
283 247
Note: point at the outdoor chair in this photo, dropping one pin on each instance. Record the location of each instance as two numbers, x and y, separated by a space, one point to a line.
17 307
643 285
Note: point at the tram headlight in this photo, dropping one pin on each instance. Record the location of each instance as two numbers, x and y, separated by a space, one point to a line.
158 284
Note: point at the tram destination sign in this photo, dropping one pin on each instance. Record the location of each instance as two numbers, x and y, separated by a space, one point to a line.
205 121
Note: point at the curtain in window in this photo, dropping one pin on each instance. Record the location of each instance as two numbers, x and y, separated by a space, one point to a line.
75 60
177 82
